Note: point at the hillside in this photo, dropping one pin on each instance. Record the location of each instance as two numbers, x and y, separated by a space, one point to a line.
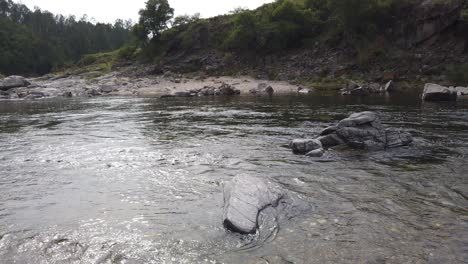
321 42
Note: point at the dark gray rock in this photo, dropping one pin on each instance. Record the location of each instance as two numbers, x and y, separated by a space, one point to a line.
316 153
360 131
226 90
330 140
207 91
396 138
244 198
107 89
435 92
263 89
94 92
13 82
303 146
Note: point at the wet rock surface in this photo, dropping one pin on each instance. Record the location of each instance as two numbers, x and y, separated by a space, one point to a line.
244 198
362 130
435 92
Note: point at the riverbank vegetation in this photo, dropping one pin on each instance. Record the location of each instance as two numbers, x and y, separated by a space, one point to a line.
274 27
35 42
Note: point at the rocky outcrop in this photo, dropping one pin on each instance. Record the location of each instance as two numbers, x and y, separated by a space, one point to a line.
244 198
262 89
13 82
435 92
360 131
431 17
223 90
353 88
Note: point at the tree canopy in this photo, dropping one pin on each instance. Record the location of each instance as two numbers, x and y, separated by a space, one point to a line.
154 18
36 41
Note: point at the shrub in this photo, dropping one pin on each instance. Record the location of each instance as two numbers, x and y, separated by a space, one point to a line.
127 52
458 74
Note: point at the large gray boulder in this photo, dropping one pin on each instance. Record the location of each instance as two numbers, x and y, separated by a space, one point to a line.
244 198
360 131
13 82
435 92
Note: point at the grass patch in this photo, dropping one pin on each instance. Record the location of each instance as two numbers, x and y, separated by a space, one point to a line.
98 64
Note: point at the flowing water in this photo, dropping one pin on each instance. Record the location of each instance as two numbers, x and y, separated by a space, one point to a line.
139 180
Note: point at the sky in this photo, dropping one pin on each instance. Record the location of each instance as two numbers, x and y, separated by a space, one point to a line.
110 10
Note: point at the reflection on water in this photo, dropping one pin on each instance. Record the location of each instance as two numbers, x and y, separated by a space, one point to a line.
139 180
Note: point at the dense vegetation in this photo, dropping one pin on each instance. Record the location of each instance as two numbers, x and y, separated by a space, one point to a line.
273 27
35 42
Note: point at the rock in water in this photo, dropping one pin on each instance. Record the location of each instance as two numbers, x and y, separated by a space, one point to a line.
303 146
360 130
244 198
13 82
435 92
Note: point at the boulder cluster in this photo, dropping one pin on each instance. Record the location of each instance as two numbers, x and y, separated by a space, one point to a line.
360 131
223 90
353 88
435 92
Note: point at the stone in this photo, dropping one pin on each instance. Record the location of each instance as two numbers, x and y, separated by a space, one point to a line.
107 88
207 91
396 138
358 119
13 82
244 198
94 92
263 88
316 153
461 91
301 90
226 90
389 87
435 92
362 130
303 146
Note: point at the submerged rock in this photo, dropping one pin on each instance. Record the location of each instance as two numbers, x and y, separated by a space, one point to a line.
360 131
13 82
435 92
303 146
244 198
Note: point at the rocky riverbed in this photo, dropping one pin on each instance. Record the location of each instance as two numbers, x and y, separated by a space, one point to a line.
143 180
119 84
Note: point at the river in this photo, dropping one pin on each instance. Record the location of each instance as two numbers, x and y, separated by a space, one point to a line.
139 180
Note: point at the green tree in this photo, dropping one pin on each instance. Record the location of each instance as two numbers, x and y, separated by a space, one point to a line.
153 19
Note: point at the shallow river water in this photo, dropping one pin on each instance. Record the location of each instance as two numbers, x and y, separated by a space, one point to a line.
139 180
